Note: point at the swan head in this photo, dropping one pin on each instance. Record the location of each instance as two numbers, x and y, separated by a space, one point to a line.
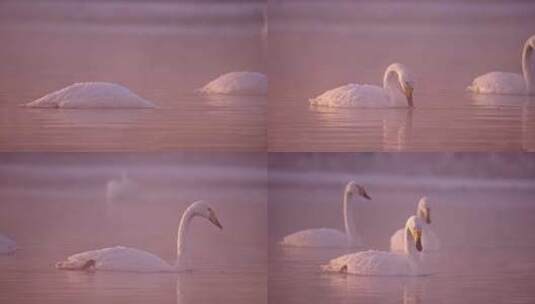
203 209
404 78
353 188
531 41
424 212
414 227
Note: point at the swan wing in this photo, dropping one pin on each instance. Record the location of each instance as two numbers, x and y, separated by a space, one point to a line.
237 83
499 83
321 237
117 259
371 262
91 95
353 95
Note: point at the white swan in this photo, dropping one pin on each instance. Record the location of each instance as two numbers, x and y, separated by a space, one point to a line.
130 259
509 83
237 83
396 92
430 240
121 189
327 237
384 263
7 245
85 95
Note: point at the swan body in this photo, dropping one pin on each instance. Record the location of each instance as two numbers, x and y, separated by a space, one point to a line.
118 258
509 83
121 258
396 92
237 83
430 240
87 95
382 263
7 245
326 237
122 189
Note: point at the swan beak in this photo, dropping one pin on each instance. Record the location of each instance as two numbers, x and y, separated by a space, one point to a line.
408 92
418 240
366 196
428 215
215 221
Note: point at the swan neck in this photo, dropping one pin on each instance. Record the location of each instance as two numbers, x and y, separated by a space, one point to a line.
348 218
420 213
390 78
407 242
183 228
527 53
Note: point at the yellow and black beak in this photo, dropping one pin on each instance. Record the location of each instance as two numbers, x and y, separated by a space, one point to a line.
418 240
215 221
408 90
428 215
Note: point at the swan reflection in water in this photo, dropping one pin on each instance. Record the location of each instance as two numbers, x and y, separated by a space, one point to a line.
394 125
522 117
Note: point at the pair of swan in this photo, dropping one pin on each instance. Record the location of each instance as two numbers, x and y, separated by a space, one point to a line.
430 240
104 95
7 245
405 243
121 258
398 86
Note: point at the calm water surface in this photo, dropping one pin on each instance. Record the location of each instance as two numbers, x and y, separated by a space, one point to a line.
318 46
161 51
485 225
61 204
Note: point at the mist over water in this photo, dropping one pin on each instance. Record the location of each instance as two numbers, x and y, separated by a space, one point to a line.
162 51
55 205
482 211
315 46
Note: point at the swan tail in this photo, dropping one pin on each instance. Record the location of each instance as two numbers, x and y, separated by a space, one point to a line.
332 267
313 101
202 91
472 88
66 265
75 265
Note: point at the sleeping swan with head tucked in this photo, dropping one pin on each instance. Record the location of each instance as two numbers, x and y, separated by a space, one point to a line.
383 263
396 92
91 95
130 259
327 237
430 240
509 83
237 83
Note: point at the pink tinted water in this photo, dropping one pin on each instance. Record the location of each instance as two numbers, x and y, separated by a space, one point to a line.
482 211
161 51
55 205
316 46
